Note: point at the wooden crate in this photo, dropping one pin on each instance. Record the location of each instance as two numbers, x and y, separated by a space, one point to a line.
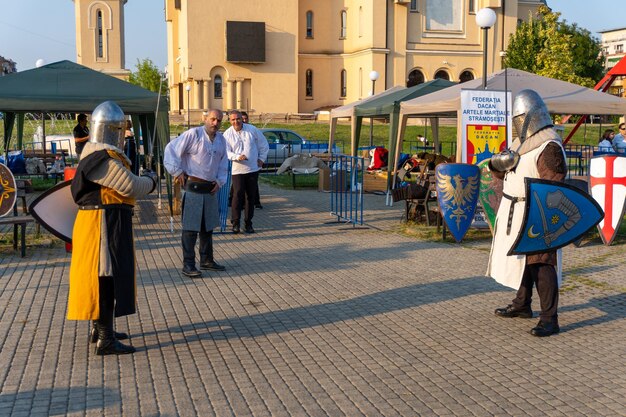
375 181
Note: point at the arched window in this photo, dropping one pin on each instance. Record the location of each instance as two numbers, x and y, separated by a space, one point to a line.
309 24
443 75
99 35
344 24
344 84
466 76
309 83
415 77
217 86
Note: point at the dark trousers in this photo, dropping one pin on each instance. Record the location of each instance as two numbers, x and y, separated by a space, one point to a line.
189 246
545 278
245 194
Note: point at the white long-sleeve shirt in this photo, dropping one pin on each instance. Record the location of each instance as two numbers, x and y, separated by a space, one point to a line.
196 155
249 141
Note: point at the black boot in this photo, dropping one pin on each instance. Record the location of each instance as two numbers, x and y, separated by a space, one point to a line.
93 335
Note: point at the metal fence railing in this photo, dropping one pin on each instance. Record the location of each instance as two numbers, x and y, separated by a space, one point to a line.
222 199
346 188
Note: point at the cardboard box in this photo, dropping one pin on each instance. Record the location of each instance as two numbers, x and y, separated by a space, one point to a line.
324 179
375 181
339 180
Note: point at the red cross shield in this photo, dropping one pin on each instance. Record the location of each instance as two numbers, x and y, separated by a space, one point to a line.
607 185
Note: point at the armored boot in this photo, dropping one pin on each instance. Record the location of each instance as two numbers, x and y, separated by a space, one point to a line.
93 334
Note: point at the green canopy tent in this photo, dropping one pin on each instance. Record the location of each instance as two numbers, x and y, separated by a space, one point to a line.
65 86
389 106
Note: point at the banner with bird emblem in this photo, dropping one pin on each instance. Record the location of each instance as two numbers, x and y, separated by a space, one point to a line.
8 190
607 185
457 193
555 215
490 193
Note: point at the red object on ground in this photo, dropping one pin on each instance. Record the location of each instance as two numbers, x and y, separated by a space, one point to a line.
68 174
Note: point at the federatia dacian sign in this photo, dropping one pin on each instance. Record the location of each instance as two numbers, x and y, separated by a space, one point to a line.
485 124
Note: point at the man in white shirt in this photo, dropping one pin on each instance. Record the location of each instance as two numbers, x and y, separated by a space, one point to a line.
247 148
198 161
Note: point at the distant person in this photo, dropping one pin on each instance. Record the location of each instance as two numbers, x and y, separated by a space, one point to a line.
619 141
247 149
130 147
81 134
197 160
257 203
606 141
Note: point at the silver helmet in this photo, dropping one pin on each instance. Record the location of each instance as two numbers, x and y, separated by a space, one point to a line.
107 124
530 114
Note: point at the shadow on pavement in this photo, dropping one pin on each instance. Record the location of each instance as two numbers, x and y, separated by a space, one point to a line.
327 313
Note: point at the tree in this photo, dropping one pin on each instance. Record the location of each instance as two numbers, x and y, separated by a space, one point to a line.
148 76
547 47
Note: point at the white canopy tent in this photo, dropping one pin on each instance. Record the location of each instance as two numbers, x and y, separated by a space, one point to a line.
560 97
347 111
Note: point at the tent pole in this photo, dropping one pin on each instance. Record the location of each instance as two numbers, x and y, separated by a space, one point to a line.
43 131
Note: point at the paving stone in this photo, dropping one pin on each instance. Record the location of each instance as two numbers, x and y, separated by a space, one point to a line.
315 318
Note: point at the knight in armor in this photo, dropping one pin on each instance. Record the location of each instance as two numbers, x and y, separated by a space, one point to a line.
102 270
536 153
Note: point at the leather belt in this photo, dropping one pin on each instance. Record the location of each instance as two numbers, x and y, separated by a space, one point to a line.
511 209
106 206
199 187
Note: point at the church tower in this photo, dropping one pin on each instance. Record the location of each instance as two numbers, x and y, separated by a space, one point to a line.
100 36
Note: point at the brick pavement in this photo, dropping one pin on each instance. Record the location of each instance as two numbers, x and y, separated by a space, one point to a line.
314 318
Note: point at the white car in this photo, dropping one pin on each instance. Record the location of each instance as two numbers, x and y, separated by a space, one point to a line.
284 143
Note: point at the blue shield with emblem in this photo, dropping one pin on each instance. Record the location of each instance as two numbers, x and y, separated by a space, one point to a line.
458 186
556 214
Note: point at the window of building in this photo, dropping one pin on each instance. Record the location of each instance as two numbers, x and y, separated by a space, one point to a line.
415 77
99 40
413 6
444 15
217 86
344 24
309 24
344 84
308 83
442 75
619 48
466 76
472 6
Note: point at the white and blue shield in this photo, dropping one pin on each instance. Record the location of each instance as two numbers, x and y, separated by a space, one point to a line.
556 214
458 187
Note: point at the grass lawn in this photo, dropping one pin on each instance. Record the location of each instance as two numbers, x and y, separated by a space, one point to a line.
285 180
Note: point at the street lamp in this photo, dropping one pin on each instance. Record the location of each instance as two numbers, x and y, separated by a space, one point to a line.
188 88
373 76
485 19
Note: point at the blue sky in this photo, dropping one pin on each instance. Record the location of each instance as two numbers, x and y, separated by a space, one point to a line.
34 29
